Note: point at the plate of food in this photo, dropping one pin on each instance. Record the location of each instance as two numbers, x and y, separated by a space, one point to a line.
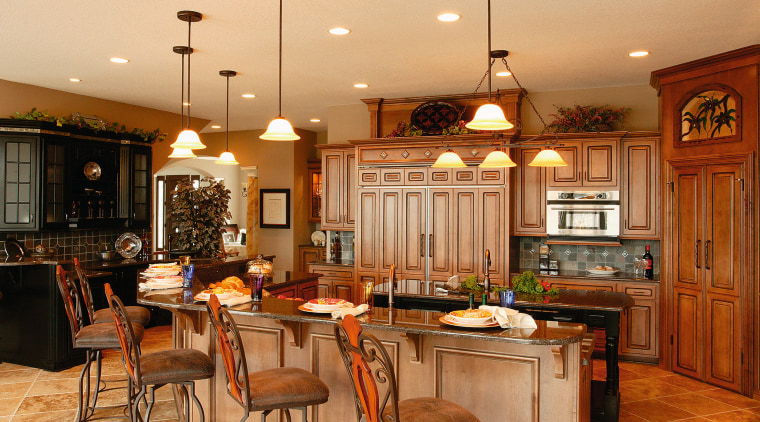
604 270
221 294
449 320
471 316
324 305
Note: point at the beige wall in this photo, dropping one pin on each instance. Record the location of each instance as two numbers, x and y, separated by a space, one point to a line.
21 98
352 121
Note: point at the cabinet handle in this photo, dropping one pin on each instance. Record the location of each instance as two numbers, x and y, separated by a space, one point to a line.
625 223
422 245
430 241
696 252
585 175
707 254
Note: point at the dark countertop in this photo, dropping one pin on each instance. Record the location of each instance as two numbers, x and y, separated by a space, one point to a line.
338 263
547 333
619 276
568 299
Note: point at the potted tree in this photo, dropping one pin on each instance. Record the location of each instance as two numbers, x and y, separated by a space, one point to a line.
197 216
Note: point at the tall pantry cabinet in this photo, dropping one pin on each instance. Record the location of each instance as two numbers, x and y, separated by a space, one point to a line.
709 112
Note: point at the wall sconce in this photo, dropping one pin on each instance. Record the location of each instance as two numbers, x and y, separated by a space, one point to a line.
245 190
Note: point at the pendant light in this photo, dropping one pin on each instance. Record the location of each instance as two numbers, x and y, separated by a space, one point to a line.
227 158
548 158
188 138
280 129
496 159
489 116
182 153
449 160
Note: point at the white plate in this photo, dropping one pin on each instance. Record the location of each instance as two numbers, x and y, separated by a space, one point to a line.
447 320
327 307
318 238
452 316
221 296
601 272
304 308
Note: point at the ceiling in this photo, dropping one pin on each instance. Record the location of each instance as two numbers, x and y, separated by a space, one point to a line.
396 46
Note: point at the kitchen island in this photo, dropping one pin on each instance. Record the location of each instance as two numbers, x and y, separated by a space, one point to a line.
499 375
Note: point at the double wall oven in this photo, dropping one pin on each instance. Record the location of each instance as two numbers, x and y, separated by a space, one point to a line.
577 215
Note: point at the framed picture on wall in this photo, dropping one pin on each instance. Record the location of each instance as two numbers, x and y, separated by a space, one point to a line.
274 212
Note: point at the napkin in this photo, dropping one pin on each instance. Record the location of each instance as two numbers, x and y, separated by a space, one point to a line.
510 318
151 285
236 300
342 312
441 291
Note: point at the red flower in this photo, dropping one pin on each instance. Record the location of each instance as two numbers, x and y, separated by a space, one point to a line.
546 285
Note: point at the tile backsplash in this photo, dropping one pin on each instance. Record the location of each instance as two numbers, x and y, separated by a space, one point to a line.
581 257
346 245
82 244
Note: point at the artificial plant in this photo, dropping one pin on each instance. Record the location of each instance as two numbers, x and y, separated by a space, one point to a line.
197 215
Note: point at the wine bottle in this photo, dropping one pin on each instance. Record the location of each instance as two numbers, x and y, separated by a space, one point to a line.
649 270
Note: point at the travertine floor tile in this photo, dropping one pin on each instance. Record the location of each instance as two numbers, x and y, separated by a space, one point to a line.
729 397
735 416
8 406
39 404
698 404
656 411
57 416
651 388
686 382
19 375
17 389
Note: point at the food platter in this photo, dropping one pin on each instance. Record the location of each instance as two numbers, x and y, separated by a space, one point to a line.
470 317
128 245
446 319
221 294
602 272
304 308
327 304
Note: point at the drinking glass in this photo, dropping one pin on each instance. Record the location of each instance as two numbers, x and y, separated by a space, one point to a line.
257 285
365 292
184 261
507 298
187 275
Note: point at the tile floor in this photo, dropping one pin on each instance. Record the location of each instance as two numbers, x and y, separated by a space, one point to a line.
33 395
647 392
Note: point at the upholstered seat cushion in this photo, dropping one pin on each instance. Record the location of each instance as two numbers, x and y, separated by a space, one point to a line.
103 336
282 388
431 409
176 365
137 315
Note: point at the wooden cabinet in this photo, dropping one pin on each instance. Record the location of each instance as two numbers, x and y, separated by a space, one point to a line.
53 184
639 188
590 163
19 156
336 281
339 189
308 253
529 195
315 191
140 182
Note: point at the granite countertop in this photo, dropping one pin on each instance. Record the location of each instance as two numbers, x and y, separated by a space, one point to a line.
547 333
42 260
337 262
619 276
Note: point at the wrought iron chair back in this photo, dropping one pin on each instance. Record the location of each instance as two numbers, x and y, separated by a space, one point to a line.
84 284
130 348
230 347
368 365
71 303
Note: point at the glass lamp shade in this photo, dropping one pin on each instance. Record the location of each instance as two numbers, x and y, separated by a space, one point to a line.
182 153
496 159
489 117
548 158
448 160
279 129
226 159
188 139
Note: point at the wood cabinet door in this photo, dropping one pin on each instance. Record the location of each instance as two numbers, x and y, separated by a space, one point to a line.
569 175
529 195
324 288
413 231
389 229
723 353
440 221
464 241
639 198
600 163
349 194
687 227
18 189
366 252
637 329
491 220
307 254
332 182
343 290
688 340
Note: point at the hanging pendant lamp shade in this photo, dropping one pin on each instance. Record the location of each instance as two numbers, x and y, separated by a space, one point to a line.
188 138
182 153
489 117
280 129
449 160
548 158
497 159
227 158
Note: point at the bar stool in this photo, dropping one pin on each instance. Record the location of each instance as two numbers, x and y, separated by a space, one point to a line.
93 338
267 390
137 314
148 372
368 364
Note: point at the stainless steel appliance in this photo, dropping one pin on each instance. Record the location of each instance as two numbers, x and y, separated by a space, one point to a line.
583 214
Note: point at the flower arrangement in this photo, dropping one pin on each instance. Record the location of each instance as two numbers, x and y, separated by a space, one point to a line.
403 129
587 118
197 214
527 283
78 121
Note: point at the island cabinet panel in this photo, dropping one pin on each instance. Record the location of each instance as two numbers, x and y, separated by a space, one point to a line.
589 163
529 195
338 189
639 196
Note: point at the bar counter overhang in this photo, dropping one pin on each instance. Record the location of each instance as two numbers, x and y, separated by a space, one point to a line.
499 375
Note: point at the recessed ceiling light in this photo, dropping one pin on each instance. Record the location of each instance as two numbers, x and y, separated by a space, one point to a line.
75 80
448 17
339 31
118 60
360 85
503 73
249 95
215 127
185 104
638 53
315 120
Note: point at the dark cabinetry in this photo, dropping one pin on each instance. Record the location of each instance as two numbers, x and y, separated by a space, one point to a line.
18 189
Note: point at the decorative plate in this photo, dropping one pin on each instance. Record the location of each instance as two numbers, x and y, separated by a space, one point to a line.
92 170
318 238
13 248
434 116
128 245
446 320
305 308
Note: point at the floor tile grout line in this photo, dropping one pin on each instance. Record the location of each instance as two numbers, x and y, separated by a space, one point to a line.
25 394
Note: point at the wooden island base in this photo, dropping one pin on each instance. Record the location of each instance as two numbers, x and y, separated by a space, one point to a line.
499 375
